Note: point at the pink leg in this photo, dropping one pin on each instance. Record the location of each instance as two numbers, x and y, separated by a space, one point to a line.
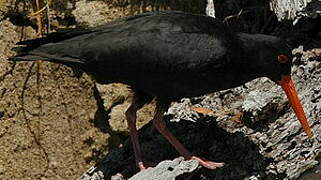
160 125
131 120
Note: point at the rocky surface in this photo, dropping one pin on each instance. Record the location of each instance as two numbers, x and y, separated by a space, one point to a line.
54 126
295 10
167 170
252 129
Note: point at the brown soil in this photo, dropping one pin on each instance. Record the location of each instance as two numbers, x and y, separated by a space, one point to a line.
46 115
53 125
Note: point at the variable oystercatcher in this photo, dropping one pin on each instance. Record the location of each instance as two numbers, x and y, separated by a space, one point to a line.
167 56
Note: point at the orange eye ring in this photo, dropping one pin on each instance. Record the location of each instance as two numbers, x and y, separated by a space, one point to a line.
282 58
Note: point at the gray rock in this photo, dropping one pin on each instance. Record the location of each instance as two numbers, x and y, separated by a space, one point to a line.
182 110
295 9
167 169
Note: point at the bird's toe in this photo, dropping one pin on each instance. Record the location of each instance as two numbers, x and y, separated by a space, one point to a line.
144 165
206 163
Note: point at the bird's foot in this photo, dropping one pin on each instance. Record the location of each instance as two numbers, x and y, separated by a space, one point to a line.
144 165
206 163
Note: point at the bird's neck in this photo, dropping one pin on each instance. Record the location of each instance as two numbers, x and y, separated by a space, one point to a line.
250 50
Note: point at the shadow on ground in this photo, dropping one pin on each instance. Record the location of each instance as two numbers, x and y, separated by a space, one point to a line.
205 139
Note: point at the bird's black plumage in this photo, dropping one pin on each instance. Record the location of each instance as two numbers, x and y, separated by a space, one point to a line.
168 55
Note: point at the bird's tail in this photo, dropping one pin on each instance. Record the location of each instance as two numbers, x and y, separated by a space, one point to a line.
25 47
27 50
27 57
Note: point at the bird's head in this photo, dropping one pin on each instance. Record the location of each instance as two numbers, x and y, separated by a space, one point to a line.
275 61
275 58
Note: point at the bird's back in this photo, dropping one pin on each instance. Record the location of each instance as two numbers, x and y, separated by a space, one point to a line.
156 52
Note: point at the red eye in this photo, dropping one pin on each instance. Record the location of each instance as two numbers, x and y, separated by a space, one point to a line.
282 58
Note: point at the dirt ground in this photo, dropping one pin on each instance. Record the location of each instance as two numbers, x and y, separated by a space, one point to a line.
53 125
47 117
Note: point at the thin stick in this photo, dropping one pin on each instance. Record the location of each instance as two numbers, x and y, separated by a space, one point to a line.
39 20
48 16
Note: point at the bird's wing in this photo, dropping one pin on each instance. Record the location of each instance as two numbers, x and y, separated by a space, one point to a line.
168 41
161 41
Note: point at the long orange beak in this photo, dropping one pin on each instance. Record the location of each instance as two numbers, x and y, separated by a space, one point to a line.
289 88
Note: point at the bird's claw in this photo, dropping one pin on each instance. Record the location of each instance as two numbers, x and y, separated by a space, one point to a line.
206 163
144 165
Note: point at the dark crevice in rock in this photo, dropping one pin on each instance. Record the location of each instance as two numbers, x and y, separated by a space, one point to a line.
260 122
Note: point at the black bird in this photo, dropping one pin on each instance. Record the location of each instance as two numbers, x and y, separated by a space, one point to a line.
167 56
